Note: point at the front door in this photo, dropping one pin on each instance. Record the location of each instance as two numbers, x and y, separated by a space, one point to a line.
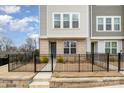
53 49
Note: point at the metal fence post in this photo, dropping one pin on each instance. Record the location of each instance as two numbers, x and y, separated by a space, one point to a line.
107 62
8 63
35 63
92 59
52 63
79 63
119 60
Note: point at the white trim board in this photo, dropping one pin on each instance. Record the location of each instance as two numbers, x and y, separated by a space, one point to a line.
102 37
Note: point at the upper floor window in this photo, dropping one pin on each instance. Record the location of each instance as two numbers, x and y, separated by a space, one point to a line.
57 20
108 23
75 20
66 20
100 24
116 23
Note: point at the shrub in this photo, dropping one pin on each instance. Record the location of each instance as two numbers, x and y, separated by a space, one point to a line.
60 59
44 59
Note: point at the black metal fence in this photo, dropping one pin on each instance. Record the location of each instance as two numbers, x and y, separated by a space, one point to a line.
43 63
89 62
21 62
3 59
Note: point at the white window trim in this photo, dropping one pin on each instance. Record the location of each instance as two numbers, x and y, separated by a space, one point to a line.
61 21
110 45
70 45
104 23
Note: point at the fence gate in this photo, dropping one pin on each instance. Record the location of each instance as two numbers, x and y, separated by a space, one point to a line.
43 63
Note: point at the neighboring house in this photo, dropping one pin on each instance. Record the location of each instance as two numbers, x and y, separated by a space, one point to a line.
107 28
64 29
77 29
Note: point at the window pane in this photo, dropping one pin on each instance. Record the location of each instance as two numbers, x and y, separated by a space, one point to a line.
116 27
114 44
73 50
75 17
117 20
107 44
108 20
57 24
114 51
73 44
66 50
66 17
66 24
100 27
56 17
75 24
66 44
100 20
107 50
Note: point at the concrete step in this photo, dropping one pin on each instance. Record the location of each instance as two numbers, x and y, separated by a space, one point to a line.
41 80
39 85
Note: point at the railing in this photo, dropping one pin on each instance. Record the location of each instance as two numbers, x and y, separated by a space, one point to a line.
3 58
21 62
89 62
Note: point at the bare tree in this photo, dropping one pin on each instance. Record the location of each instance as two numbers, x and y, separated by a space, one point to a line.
30 44
6 44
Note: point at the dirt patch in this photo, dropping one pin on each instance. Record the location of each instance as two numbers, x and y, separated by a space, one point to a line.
86 74
4 74
75 67
26 67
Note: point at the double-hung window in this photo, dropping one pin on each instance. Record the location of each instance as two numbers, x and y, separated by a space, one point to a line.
100 24
108 23
70 47
66 20
57 20
117 24
111 47
75 20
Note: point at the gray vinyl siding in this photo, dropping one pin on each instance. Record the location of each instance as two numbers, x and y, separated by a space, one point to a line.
43 20
107 11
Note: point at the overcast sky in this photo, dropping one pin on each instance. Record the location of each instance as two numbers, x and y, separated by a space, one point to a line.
19 22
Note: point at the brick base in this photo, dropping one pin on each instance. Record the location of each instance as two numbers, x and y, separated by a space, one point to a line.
83 84
14 83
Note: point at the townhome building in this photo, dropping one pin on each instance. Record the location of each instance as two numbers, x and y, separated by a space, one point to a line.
107 28
77 29
64 29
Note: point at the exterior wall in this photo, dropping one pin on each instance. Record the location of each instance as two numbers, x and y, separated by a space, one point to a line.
44 46
59 46
84 21
101 45
81 46
43 18
107 11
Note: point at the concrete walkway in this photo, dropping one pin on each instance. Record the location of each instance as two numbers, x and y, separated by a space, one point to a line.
41 80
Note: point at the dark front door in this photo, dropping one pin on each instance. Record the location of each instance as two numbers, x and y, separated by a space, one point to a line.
53 49
92 47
